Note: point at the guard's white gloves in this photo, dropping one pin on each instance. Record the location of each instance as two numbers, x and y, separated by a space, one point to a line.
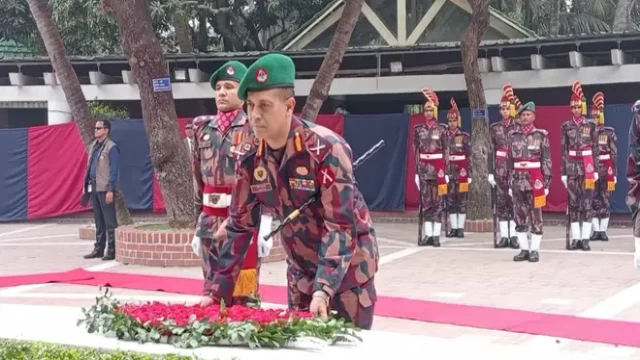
564 180
596 176
492 180
446 178
418 181
264 246
469 180
510 192
636 257
546 192
196 244
615 179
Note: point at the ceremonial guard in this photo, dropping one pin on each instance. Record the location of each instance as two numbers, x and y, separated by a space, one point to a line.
633 176
216 143
332 252
607 173
459 171
529 164
431 149
498 172
579 161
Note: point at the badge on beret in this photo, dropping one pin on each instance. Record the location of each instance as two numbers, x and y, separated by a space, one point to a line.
230 70
610 171
441 174
463 172
538 184
262 75
589 168
260 173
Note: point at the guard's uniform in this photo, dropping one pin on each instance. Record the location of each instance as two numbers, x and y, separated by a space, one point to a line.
607 170
579 161
430 146
529 164
331 247
498 170
633 176
216 142
459 172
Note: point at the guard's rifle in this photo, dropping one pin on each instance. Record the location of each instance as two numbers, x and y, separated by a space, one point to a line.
494 205
567 241
315 196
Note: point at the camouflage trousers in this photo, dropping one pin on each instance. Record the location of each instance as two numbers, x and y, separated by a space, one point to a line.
504 206
456 200
355 305
579 199
432 204
524 211
601 198
206 266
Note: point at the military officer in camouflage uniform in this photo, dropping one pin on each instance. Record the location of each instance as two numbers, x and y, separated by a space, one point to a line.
430 146
579 161
216 145
332 252
498 169
529 164
459 172
607 173
633 176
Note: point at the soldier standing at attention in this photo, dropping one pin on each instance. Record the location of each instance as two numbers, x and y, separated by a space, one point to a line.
607 173
216 145
430 146
579 161
633 175
332 252
529 164
498 169
459 170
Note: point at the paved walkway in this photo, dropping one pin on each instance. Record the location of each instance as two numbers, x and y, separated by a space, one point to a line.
600 284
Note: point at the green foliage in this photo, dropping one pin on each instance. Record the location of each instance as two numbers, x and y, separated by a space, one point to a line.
25 350
104 111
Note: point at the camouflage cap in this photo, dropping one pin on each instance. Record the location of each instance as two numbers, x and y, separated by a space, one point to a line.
268 72
231 70
530 106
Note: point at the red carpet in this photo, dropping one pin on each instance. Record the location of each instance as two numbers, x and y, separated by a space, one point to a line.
563 326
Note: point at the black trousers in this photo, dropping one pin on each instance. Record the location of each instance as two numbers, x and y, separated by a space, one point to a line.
106 220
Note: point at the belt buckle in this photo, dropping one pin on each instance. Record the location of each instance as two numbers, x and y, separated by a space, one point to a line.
213 199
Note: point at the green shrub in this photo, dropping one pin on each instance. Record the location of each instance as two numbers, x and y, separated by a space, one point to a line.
25 350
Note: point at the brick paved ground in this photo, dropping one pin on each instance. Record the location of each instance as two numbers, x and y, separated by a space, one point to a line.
600 283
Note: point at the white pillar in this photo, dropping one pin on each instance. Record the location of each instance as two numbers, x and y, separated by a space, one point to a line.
493 96
58 112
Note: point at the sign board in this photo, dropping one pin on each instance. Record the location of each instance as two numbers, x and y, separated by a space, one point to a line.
479 113
162 84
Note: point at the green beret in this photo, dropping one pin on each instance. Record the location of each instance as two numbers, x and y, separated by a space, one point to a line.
232 70
530 106
269 71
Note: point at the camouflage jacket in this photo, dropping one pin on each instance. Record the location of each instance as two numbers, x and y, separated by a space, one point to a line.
533 147
331 245
499 143
430 140
214 162
633 165
459 144
576 138
607 145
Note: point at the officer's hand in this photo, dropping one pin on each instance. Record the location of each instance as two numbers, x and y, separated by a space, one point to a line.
206 301
109 197
195 245
264 246
564 180
546 192
319 308
418 181
596 176
492 180
446 178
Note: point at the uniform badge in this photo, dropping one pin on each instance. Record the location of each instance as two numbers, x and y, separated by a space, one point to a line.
247 147
261 188
589 168
538 185
610 171
205 137
260 173
602 139
327 177
440 174
458 140
463 172
302 184
302 171
262 75
230 70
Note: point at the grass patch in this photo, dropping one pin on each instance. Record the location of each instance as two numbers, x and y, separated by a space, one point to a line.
162 227
27 350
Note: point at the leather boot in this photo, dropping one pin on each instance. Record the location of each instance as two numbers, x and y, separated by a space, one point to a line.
514 243
575 245
585 245
436 241
111 247
503 243
452 233
523 256
603 236
97 252
534 256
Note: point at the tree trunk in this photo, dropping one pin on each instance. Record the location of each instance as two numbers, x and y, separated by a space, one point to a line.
623 15
70 86
183 32
554 20
480 193
333 59
168 154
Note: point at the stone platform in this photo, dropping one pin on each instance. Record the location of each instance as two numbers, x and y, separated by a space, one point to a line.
60 327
